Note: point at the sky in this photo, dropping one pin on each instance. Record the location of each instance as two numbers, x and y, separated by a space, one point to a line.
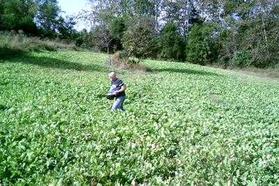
72 8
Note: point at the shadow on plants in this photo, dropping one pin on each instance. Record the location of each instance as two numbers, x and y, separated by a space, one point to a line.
7 53
48 62
186 71
3 107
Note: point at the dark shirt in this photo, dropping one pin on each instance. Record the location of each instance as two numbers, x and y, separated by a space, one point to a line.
116 86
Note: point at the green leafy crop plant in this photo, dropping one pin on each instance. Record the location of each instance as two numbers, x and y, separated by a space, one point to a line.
185 124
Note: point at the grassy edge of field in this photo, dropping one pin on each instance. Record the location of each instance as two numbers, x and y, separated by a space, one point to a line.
258 73
263 75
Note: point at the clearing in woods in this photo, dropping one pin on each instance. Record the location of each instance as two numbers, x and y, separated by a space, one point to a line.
185 124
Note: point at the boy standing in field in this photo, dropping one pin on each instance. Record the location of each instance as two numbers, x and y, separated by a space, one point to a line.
117 91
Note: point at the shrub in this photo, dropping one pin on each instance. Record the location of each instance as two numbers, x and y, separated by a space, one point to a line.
242 59
201 47
172 44
140 39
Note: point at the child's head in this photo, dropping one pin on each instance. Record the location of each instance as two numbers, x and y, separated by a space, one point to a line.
112 76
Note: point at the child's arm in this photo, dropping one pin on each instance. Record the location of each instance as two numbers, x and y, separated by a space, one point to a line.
123 88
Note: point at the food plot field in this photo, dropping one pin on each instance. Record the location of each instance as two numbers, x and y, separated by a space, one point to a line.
184 124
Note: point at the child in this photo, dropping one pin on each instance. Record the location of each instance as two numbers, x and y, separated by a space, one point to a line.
117 90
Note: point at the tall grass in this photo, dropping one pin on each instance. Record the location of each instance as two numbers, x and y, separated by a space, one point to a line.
20 42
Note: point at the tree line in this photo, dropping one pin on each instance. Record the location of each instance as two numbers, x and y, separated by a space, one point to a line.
36 18
228 33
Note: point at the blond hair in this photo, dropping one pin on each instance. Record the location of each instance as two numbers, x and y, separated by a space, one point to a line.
112 74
